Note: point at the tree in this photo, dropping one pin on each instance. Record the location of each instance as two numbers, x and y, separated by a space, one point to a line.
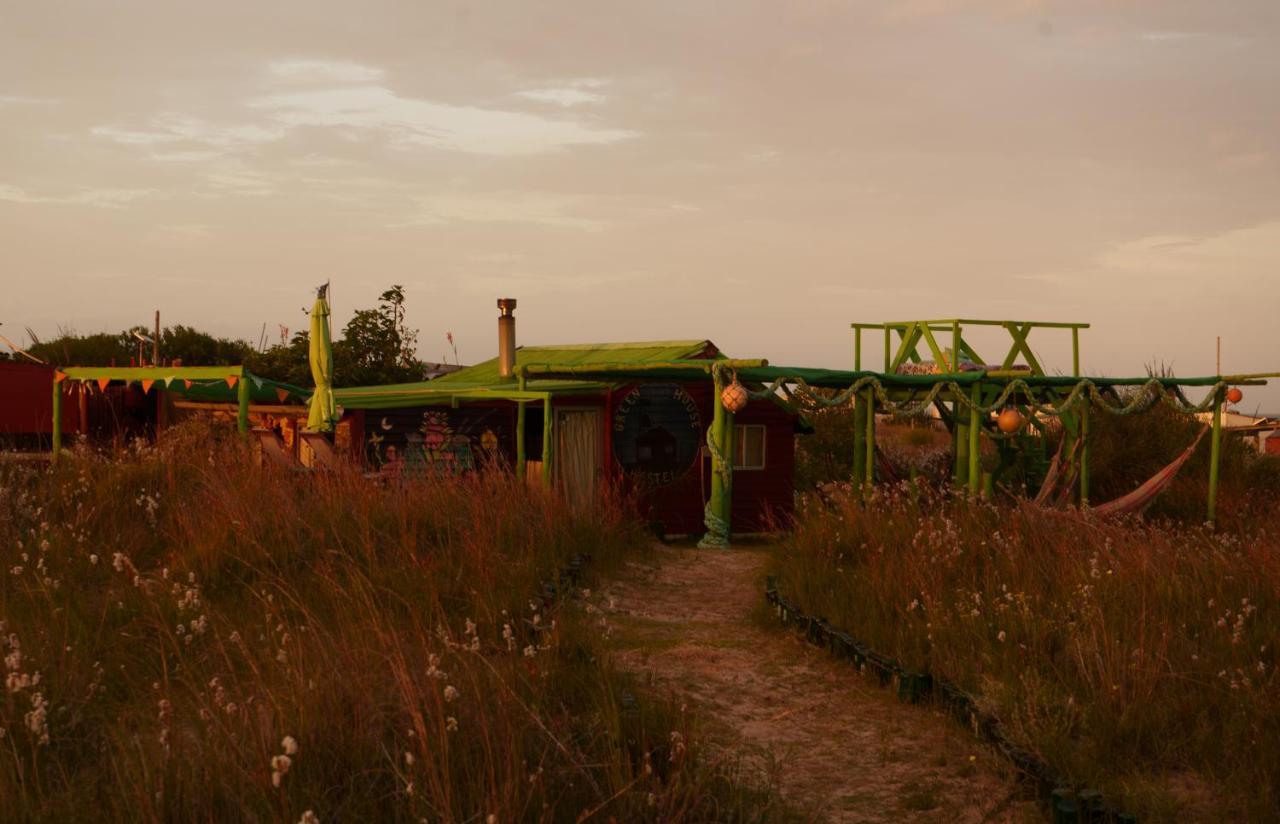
376 346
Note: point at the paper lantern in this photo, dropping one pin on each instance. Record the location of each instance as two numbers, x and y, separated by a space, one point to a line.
734 397
1010 421
1234 395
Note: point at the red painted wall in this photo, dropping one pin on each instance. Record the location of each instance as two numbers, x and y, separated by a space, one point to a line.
26 400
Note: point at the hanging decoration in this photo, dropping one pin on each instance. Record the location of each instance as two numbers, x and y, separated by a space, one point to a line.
1010 421
1234 395
232 380
59 376
735 396
103 383
146 385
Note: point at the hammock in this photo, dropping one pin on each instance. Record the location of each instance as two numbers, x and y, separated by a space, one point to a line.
1045 495
1140 498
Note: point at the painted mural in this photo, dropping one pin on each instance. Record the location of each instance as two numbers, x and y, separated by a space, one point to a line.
658 432
437 439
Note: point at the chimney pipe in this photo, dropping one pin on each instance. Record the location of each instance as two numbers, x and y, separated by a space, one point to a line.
506 337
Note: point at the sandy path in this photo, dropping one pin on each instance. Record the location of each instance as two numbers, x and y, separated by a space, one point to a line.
840 747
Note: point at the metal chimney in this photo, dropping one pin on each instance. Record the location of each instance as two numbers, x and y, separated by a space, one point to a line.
506 337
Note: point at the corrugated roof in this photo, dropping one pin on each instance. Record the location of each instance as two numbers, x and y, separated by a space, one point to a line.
482 380
485 374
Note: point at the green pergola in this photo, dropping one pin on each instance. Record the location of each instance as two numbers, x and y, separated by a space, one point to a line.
199 383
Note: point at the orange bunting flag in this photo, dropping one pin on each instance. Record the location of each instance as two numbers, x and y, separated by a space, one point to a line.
186 383
231 381
282 394
103 383
146 386
59 377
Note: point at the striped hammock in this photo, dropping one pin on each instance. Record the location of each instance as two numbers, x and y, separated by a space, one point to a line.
1139 499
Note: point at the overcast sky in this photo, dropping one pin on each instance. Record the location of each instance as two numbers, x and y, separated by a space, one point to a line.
757 173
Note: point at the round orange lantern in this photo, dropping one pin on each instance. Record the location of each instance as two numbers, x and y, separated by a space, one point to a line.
1234 395
734 397
1010 421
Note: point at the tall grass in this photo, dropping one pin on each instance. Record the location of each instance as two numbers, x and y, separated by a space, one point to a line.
1134 657
188 637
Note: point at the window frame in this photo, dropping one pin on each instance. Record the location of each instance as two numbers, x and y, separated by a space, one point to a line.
739 443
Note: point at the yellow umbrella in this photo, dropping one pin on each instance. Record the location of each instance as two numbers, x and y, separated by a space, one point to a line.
323 412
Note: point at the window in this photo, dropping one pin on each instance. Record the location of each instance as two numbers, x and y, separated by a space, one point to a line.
748 446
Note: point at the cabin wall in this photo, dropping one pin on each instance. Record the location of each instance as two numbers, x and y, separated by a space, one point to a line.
26 401
760 495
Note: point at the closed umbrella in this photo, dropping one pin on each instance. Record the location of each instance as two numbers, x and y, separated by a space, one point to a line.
323 411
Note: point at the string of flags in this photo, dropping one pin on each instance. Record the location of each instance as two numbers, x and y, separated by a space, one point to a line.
84 384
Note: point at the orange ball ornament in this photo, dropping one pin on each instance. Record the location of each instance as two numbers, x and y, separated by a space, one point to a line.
1010 421
1234 395
734 397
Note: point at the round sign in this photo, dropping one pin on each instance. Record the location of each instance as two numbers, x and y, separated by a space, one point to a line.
657 433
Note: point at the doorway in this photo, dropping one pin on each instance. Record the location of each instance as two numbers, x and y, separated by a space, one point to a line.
579 457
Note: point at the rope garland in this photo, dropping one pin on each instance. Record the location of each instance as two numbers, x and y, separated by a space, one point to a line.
799 394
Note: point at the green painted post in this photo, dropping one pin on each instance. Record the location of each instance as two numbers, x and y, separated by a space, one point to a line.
57 417
242 396
717 437
547 440
857 348
726 448
859 441
1084 455
1215 455
1075 352
954 366
975 450
888 345
960 472
870 471
522 458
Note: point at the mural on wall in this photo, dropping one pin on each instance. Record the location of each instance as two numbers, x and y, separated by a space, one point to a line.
657 433
447 440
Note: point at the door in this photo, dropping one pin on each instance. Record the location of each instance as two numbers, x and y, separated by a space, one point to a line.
579 458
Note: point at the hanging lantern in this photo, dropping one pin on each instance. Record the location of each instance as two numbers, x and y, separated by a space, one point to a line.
1010 421
734 397
1234 395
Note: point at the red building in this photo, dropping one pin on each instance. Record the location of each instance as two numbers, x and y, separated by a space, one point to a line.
645 436
26 405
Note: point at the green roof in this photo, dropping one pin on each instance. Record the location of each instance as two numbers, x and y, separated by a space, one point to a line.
483 381
486 373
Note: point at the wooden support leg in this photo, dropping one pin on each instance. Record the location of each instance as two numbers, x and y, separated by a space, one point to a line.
522 459
1215 456
859 442
975 447
548 442
870 471
57 418
1084 455
242 395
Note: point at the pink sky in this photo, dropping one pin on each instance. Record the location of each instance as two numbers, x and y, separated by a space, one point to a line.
757 173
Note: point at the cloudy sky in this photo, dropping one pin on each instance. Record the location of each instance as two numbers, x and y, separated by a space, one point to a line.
758 173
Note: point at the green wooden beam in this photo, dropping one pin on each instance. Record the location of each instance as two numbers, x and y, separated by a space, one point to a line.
870 455
1215 457
975 446
548 448
242 402
57 417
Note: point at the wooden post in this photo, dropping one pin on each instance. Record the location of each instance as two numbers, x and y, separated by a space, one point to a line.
547 441
954 366
1075 352
57 416
888 345
960 472
718 413
726 448
859 441
870 471
155 343
1084 455
975 447
521 452
857 348
1215 454
242 396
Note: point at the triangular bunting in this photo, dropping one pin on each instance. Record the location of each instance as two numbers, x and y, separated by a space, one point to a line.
282 394
257 381
103 383
146 385
59 377
186 383
171 380
232 380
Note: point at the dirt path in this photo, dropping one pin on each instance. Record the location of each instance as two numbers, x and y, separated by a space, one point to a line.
840 747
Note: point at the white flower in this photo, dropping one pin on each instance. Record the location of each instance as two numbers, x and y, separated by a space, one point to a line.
450 693
309 818
290 745
451 724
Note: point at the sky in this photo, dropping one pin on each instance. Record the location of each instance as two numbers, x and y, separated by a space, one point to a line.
757 173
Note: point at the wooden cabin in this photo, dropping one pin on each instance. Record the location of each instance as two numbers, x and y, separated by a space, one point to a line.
647 437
